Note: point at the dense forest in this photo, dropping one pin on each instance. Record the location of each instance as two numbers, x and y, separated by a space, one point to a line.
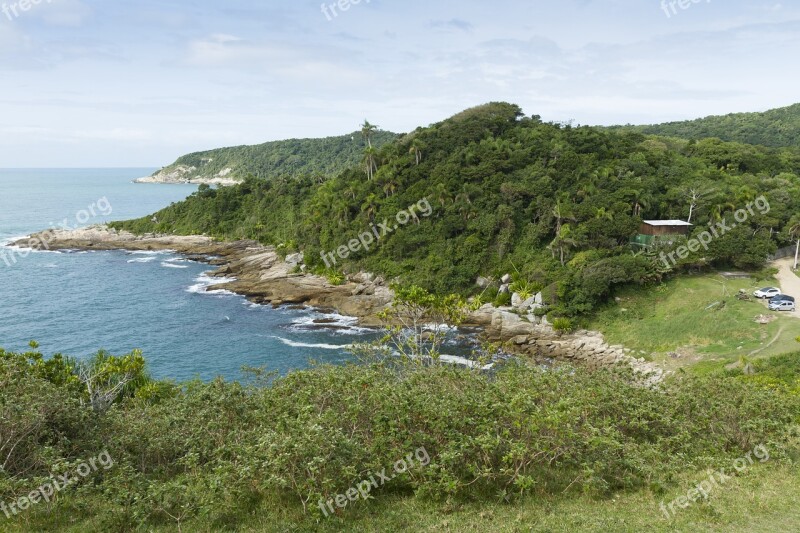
775 128
319 158
555 205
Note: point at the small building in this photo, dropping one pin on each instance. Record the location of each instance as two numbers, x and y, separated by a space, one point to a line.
662 230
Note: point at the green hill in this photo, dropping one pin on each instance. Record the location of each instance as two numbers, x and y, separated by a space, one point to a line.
775 128
498 192
294 157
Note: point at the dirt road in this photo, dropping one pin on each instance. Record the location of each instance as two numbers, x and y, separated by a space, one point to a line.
788 280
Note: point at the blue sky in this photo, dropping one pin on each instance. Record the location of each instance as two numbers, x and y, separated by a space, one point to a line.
138 83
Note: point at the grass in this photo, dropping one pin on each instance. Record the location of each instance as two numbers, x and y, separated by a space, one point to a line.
762 498
696 321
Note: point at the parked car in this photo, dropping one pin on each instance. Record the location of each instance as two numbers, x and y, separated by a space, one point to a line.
781 297
767 292
781 305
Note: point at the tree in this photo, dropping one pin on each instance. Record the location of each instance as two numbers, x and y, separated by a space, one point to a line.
418 322
370 207
565 238
695 195
370 161
107 377
416 150
793 228
368 130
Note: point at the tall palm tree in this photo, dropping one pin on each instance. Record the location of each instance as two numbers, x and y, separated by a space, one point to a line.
370 161
368 130
794 231
416 150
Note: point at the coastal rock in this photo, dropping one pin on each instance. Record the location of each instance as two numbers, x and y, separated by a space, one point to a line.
190 174
260 273
264 277
294 259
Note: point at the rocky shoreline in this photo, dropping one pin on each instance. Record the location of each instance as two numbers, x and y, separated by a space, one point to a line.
263 276
188 175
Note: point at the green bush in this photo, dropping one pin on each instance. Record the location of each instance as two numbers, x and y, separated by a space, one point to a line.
213 452
562 325
502 299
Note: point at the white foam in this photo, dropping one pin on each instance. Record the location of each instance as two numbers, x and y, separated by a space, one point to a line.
294 344
204 282
142 260
344 325
151 252
172 265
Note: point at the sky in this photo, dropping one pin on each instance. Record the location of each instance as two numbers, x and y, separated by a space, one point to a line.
122 83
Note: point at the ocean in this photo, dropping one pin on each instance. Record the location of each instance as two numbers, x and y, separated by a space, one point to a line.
77 303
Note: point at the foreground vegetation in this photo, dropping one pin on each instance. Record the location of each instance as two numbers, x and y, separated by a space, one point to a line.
225 456
555 205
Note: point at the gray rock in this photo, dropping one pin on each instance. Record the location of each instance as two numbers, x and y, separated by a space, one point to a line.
506 279
504 289
516 300
294 259
539 299
482 282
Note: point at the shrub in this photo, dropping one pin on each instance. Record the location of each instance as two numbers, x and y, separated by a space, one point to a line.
562 325
502 300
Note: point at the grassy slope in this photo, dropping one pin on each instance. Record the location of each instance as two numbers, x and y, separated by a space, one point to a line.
674 318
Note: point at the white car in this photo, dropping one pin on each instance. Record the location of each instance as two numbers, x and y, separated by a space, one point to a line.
767 292
781 305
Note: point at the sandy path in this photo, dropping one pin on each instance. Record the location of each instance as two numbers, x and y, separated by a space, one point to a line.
788 281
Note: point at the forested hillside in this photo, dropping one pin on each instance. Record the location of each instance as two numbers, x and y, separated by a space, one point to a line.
775 128
555 205
295 157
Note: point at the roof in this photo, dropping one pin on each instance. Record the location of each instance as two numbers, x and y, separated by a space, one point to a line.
666 223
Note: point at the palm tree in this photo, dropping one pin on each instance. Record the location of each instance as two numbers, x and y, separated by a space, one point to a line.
390 187
442 194
416 150
794 231
719 208
603 213
368 130
370 207
564 239
370 158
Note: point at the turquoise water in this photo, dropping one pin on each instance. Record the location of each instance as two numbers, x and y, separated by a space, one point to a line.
79 302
